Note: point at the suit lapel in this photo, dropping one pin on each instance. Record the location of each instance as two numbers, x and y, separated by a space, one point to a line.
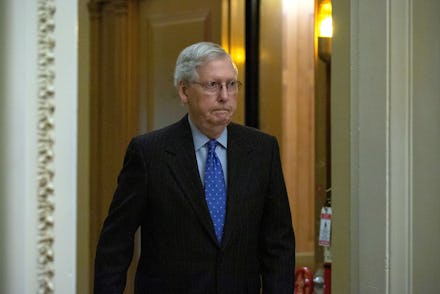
183 165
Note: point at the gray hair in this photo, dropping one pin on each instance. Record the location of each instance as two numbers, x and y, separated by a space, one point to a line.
193 56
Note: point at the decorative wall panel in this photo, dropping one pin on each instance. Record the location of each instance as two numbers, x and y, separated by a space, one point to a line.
45 138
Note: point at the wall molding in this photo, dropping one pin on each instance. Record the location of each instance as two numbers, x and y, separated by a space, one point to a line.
45 145
400 137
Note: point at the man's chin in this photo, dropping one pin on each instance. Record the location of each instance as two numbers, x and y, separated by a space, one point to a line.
223 120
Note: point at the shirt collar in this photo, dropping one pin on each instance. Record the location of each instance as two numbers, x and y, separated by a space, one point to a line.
200 139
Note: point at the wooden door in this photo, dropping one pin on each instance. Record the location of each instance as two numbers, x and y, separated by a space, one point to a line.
167 26
287 107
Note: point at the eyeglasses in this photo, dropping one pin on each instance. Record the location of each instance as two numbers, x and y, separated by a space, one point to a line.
213 87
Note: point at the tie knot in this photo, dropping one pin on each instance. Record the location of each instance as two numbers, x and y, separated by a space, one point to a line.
211 145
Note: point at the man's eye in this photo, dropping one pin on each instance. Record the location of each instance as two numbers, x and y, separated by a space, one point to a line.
232 84
211 85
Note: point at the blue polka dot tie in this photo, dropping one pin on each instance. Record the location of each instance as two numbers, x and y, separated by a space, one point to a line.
215 189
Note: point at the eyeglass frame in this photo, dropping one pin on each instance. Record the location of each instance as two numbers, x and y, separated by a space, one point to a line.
216 87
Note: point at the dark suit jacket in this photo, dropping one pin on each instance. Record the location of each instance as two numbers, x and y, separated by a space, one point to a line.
159 189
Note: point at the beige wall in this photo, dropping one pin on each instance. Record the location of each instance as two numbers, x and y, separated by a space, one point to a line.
386 67
424 131
83 169
18 103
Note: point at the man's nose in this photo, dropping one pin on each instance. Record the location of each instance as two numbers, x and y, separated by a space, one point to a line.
224 94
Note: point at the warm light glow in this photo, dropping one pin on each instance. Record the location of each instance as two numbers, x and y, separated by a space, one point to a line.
238 55
326 27
288 6
325 23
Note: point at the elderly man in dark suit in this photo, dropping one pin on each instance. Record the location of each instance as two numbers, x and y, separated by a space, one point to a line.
208 195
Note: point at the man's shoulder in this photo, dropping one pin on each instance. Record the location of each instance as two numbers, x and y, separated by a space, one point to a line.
164 135
248 133
178 127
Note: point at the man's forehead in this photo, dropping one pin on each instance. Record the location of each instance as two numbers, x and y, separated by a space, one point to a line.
218 67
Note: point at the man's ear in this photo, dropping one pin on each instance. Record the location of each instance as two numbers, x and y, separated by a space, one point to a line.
182 89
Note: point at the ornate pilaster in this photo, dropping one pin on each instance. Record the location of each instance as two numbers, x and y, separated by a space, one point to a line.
45 143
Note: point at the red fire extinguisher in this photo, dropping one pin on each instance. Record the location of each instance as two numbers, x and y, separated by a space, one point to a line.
303 281
327 272
324 240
